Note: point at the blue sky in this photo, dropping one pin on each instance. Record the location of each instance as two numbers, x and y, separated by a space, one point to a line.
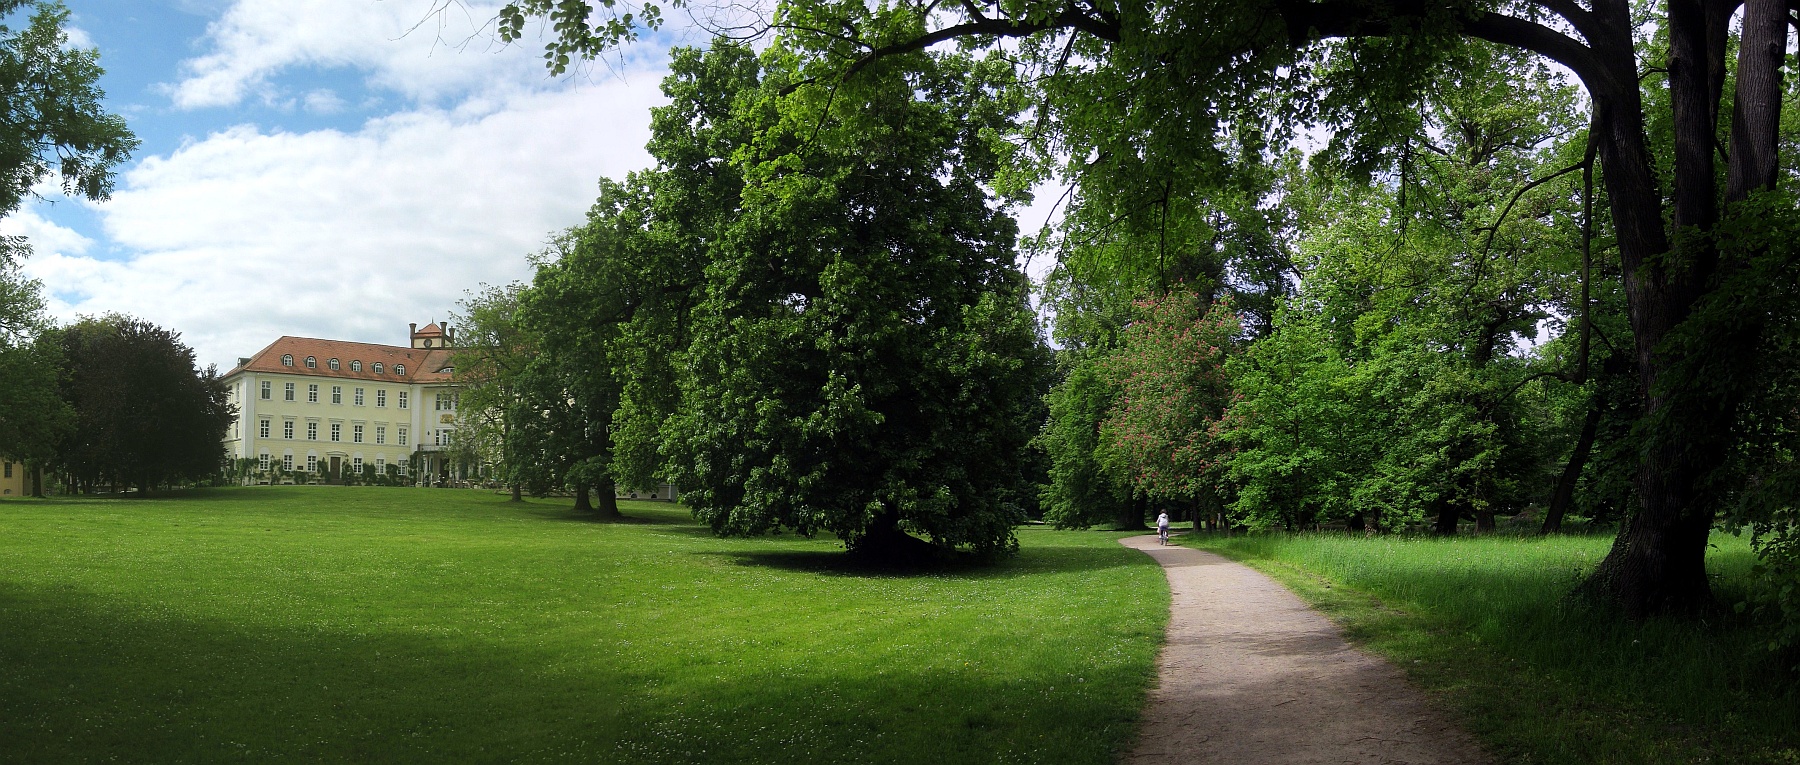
330 168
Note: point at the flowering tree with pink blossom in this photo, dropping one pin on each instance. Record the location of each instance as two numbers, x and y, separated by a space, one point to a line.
1169 372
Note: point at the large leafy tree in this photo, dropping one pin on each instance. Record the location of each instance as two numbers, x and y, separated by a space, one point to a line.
53 123
1189 87
145 415
864 361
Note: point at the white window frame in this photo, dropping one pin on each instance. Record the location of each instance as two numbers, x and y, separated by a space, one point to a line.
337 432
357 398
262 431
381 397
287 429
400 436
380 434
287 391
268 391
337 394
356 434
312 393
402 401
312 431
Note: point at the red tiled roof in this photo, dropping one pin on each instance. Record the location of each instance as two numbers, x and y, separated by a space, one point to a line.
430 330
422 364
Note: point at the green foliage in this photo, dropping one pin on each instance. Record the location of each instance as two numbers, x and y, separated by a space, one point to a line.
144 415
1080 492
55 122
1170 374
863 360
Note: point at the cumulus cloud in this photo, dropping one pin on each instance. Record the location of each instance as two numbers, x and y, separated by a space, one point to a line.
246 235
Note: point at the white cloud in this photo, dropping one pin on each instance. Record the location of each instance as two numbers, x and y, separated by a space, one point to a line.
45 235
401 46
247 235
323 101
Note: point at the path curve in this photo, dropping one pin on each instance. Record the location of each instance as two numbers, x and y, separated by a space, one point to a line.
1249 674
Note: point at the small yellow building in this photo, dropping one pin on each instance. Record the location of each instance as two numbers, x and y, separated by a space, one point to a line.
15 480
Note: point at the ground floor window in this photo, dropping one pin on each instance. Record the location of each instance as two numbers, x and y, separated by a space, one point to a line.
263 460
356 465
312 463
287 462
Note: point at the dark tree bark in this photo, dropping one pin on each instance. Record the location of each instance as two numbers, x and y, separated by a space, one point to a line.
608 495
518 493
1447 516
1484 522
37 481
1565 485
1131 515
582 505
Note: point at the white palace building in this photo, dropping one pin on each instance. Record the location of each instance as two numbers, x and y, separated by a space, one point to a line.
332 406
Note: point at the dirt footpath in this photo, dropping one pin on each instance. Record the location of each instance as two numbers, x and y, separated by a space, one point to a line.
1250 674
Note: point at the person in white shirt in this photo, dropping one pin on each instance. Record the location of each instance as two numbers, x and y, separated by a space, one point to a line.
1162 528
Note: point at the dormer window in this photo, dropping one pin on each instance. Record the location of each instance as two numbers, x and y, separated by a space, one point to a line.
287 360
377 367
312 362
333 363
400 369
356 366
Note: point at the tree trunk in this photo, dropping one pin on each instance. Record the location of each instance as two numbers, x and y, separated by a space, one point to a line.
518 494
1565 486
884 544
582 505
608 495
1484 522
1447 516
1131 515
37 481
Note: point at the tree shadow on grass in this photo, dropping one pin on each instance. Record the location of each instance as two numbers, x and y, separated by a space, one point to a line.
83 678
1032 560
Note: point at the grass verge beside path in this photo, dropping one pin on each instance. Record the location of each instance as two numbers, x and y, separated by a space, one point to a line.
1483 623
404 625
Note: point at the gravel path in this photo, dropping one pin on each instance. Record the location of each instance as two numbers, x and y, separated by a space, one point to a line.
1249 674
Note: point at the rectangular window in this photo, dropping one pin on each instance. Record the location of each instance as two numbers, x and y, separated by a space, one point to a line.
359 397
356 465
266 386
381 397
400 436
262 431
287 429
312 431
263 460
381 434
312 394
287 462
9 470
312 463
287 391
337 432
402 399
356 434
337 394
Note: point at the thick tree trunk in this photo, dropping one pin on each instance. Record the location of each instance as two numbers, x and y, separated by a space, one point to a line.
1131 515
37 481
518 494
582 505
1484 522
1657 561
884 544
1447 516
608 496
1756 116
1565 486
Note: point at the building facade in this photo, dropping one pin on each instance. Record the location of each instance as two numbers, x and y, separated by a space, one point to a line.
331 407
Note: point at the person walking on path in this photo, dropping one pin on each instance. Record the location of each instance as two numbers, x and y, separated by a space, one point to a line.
1162 528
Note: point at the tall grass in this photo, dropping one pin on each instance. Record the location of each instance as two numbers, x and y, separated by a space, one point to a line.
1486 622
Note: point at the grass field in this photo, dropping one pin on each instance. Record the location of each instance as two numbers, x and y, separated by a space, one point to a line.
408 625
1484 622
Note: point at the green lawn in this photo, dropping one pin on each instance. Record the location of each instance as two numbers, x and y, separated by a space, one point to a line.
1485 623
384 625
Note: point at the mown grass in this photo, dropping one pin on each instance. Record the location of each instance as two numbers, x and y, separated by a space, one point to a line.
1485 623
405 625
